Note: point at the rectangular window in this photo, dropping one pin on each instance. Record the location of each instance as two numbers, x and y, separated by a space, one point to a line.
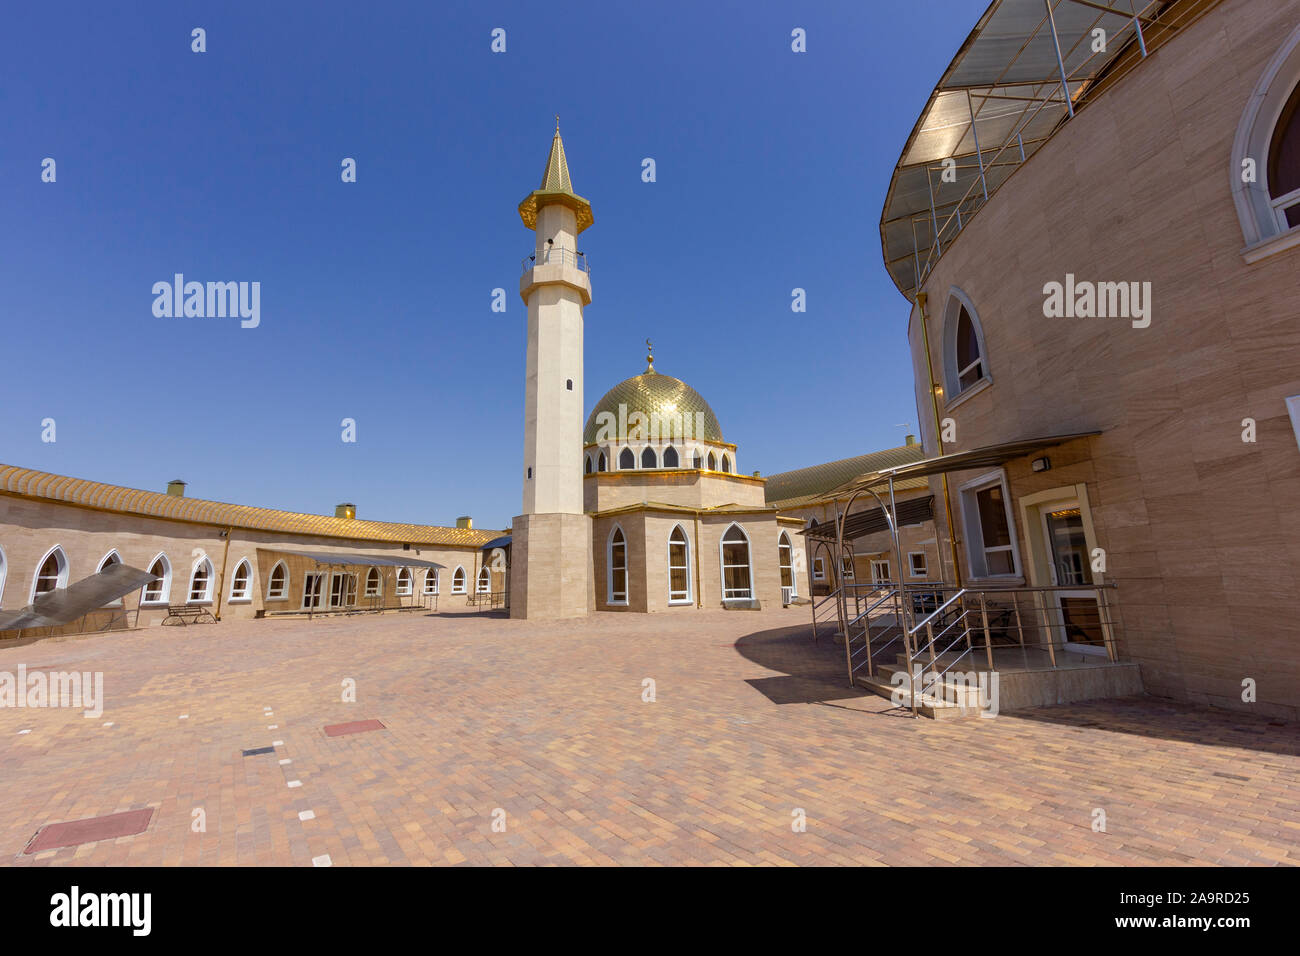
989 532
879 572
918 563
846 564
312 590
679 580
819 569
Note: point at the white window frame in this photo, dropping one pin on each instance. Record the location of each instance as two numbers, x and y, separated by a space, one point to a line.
973 532
911 564
458 580
165 589
611 596
206 597
819 568
318 595
61 579
283 593
430 576
679 597
378 590
848 567
103 562
404 585
794 577
722 564
954 394
879 565
483 583
246 595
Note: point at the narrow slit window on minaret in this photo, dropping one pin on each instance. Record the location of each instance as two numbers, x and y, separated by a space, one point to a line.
568 383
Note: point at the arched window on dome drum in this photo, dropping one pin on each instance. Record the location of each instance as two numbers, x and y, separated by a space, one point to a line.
617 567
648 459
1284 163
586 468
697 462
626 460
679 574
736 574
713 462
670 457
726 464
600 462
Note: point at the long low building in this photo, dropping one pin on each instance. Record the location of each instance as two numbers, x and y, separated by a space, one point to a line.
223 560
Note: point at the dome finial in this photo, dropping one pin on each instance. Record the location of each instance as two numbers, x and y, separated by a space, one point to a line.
650 358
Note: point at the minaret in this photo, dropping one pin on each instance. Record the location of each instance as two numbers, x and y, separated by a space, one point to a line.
552 538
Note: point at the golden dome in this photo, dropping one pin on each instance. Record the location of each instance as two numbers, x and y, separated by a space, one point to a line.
650 394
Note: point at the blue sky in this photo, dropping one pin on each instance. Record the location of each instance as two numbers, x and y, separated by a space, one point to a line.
375 296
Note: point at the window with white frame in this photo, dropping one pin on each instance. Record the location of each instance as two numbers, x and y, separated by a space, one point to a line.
918 564
374 583
1265 165
846 567
880 571
965 361
313 589
201 582
617 589
158 590
111 558
649 459
679 567
405 582
785 561
819 569
52 573
431 581
737 574
990 534
241 583
277 586
1284 164
484 580
458 580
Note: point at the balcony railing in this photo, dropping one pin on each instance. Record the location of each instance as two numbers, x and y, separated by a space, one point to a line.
553 256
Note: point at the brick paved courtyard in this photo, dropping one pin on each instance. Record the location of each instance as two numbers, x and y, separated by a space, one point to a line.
547 723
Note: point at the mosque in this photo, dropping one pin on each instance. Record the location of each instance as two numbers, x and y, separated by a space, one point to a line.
644 508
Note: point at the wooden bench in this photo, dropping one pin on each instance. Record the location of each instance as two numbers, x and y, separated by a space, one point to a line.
186 614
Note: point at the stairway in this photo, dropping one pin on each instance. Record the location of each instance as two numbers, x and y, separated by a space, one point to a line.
953 699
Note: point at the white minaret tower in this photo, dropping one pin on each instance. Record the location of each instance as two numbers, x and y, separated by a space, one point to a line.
552 538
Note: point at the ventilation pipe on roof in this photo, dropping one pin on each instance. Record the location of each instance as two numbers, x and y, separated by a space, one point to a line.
911 440
176 488
465 521
345 510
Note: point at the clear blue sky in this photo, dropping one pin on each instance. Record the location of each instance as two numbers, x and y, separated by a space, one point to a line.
772 169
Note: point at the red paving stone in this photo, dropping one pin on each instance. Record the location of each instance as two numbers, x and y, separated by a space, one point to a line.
76 832
353 727
544 726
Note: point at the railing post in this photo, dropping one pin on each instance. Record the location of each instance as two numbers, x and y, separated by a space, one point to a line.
988 639
1103 617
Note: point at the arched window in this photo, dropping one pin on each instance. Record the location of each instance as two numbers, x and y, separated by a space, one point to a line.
484 580
374 583
111 558
679 567
458 580
649 459
586 468
617 566
726 463
241 583
431 581
626 459
670 457
405 582
51 573
600 462
713 462
736 574
1284 164
696 462
965 364
201 582
277 588
158 591
1265 166
785 560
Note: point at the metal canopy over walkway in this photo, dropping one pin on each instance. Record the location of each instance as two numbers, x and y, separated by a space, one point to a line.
347 598
64 605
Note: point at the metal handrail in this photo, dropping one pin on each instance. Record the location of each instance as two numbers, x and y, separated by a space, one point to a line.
929 617
553 255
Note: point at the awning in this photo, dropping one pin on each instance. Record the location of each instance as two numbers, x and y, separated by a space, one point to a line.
63 605
356 558
501 542
986 457
859 524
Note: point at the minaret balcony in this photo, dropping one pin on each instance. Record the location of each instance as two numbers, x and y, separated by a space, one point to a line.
556 267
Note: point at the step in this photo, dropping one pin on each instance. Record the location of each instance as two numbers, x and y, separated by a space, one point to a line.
926 704
955 693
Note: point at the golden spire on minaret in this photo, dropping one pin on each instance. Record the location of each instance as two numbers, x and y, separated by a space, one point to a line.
650 358
556 188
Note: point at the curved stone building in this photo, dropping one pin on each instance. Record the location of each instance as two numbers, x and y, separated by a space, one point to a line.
1099 234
